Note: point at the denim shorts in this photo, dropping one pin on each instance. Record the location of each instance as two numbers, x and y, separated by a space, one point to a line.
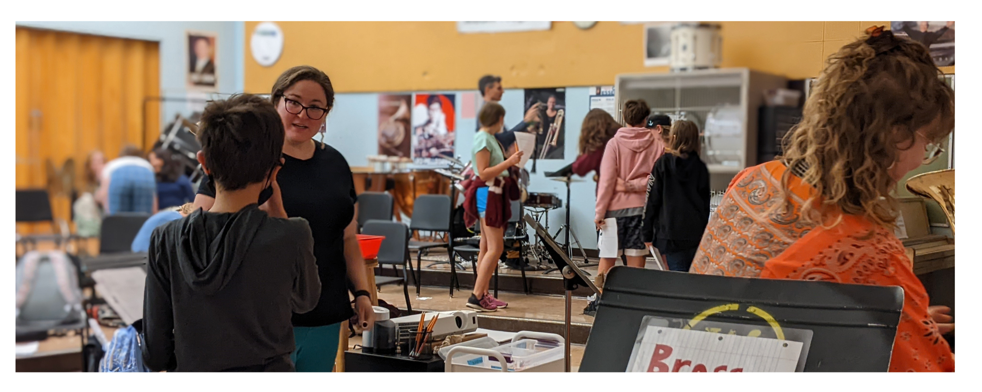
482 200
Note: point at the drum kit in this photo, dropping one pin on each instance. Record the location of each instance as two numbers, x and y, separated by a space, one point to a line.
537 204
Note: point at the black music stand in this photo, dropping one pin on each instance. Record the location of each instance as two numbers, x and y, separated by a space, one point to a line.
844 327
565 175
573 276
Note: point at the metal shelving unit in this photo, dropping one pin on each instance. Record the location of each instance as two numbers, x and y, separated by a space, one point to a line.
696 94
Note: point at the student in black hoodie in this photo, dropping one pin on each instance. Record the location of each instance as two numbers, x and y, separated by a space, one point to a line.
222 285
678 199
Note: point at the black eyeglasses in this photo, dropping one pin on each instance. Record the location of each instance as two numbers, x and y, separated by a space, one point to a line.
294 107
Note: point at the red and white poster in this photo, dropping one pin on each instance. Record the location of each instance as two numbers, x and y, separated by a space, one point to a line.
433 127
664 349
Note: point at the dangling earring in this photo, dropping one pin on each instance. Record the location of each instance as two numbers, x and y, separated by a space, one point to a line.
892 165
323 132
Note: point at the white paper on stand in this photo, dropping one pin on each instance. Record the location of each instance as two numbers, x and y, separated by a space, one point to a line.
526 144
659 263
663 349
608 238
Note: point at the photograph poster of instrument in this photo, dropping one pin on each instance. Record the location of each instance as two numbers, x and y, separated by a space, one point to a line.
433 128
394 119
549 130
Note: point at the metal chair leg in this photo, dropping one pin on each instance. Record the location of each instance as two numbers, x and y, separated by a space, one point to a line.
419 269
453 274
405 290
412 270
496 281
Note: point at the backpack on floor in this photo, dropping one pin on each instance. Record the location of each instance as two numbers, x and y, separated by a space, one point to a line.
48 293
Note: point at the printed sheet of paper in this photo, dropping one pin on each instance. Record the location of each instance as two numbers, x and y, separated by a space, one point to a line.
901 230
608 238
664 349
659 263
526 144
602 97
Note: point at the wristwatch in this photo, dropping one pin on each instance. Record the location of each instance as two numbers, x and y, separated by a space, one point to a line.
360 293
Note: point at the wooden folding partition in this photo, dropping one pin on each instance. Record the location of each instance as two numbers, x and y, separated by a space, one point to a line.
79 93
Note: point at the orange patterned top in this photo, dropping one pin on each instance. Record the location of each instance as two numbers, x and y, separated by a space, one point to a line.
854 251
745 232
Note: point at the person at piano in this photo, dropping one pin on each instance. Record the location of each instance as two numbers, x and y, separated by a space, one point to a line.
826 211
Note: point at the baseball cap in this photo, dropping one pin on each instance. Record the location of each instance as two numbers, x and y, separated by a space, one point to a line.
658 119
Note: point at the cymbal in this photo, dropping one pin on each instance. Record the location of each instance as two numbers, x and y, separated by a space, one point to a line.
452 160
449 174
567 179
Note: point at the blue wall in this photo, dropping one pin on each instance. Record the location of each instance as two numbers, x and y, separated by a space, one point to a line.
173 52
352 125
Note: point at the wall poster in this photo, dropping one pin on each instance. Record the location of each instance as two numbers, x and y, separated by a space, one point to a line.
550 130
394 125
202 71
433 128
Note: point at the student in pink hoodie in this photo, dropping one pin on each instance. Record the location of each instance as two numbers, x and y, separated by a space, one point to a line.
628 158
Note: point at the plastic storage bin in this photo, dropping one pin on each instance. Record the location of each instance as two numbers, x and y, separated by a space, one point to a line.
528 352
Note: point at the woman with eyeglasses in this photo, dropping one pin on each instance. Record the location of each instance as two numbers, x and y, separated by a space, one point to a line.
316 184
826 210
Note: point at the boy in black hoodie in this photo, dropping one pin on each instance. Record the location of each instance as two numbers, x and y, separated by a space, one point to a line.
223 285
678 199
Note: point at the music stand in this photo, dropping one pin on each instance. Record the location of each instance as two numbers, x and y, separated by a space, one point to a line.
846 327
565 175
573 276
455 179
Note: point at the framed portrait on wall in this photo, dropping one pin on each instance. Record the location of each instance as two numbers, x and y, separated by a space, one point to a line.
202 69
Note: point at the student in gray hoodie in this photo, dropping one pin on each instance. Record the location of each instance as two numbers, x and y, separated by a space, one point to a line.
223 285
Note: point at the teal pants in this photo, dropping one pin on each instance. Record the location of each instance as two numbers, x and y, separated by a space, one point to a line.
317 348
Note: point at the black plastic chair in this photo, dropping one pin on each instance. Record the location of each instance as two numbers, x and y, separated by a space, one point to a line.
394 251
34 206
374 206
432 213
119 230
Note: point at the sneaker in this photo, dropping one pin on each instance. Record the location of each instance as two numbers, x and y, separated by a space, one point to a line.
499 303
484 304
591 308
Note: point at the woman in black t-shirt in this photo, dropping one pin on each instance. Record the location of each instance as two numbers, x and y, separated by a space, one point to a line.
316 184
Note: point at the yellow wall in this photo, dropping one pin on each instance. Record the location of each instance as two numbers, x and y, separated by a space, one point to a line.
419 56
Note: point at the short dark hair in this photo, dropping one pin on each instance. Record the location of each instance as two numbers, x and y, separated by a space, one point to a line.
130 150
636 111
486 81
242 140
490 114
658 119
433 98
299 73
172 169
